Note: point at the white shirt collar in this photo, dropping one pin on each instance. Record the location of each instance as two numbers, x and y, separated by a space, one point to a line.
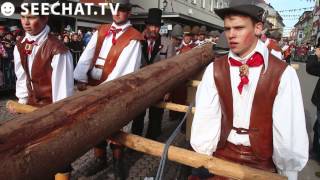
260 48
39 38
123 26
267 42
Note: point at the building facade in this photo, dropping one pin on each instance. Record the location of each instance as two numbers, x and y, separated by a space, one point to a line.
303 28
184 12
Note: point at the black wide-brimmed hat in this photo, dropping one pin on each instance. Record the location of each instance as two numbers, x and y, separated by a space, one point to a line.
177 31
246 7
222 46
214 33
154 17
125 4
187 31
276 35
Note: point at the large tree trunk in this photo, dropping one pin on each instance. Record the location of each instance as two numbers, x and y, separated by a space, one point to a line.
36 145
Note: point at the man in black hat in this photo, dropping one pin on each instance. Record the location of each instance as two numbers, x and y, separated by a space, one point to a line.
272 42
255 117
187 42
43 65
113 51
177 36
154 49
214 36
202 36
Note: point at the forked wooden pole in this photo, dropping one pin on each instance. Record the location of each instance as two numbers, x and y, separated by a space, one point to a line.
193 159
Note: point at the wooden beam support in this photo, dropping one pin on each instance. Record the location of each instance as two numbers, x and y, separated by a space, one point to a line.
193 83
193 159
20 108
174 107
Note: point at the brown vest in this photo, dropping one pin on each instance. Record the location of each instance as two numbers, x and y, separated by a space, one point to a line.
39 82
260 129
114 53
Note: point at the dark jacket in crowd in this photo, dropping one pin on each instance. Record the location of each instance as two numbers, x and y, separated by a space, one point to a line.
313 68
76 46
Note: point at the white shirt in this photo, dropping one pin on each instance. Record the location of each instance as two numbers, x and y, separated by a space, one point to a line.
290 140
62 69
128 61
150 44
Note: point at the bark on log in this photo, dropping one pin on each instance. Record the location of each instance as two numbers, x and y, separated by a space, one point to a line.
38 144
193 159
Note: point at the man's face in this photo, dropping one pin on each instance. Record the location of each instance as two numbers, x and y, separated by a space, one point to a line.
75 37
121 17
214 39
187 39
2 30
9 36
195 37
66 39
7 44
33 24
201 37
241 33
153 31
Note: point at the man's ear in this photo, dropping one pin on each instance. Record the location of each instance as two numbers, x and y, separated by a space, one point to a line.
258 28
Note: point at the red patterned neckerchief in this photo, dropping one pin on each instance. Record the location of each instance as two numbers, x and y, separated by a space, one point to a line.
254 61
113 30
29 46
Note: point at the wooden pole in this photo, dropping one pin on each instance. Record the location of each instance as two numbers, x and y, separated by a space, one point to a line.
174 107
193 159
38 144
183 156
20 108
193 83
